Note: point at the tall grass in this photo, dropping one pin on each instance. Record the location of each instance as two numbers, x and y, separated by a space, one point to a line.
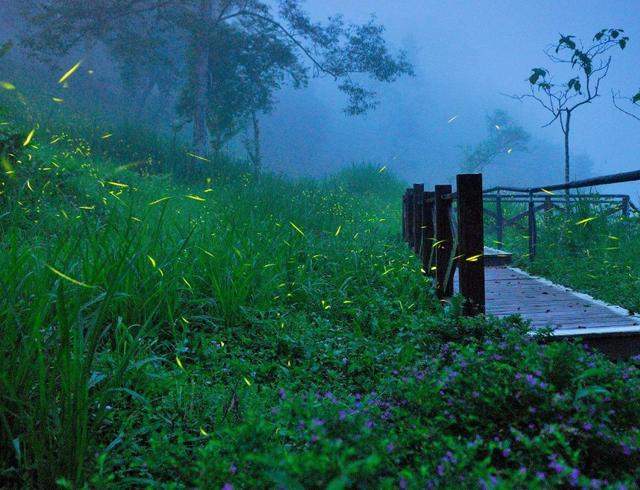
105 271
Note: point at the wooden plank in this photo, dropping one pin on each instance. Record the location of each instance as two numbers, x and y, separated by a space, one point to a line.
510 291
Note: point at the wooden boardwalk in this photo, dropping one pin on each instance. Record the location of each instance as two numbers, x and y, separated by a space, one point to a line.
511 291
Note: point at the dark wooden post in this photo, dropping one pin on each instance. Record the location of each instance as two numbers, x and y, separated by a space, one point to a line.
533 232
418 202
499 220
410 220
404 216
444 238
625 206
548 205
471 242
428 235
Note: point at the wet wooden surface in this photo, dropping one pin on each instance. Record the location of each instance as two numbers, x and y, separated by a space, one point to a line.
510 292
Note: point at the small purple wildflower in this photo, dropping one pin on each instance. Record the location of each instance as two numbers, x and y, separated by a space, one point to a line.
573 476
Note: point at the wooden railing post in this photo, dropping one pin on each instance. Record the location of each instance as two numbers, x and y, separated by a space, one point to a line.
404 216
444 240
428 235
625 206
410 230
533 232
418 202
499 220
471 242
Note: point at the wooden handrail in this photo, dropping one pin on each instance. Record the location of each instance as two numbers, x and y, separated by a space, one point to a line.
428 228
576 184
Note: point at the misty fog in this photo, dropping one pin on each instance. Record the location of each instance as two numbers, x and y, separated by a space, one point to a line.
468 58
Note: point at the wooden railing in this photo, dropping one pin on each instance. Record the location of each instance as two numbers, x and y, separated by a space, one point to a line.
545 199
446 238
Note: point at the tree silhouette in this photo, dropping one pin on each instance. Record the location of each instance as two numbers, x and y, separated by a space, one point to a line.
588 67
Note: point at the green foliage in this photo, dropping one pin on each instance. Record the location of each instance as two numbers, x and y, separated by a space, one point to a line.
215 331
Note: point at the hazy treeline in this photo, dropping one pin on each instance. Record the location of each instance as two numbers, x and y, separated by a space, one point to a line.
259 80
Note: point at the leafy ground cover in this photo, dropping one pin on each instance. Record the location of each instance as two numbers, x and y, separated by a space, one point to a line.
224 332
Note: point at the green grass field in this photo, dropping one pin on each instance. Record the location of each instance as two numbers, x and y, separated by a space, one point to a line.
219 331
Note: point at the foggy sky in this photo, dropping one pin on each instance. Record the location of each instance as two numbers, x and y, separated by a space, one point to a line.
467 53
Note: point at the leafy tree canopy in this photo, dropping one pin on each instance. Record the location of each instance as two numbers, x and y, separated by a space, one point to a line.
159 39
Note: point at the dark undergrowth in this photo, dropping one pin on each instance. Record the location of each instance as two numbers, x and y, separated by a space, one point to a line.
221 331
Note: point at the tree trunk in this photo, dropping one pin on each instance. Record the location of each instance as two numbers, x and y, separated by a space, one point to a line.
567 173
256 156
200 134
567 167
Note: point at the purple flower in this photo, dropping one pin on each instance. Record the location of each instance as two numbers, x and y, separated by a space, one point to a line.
475 394
626 450
390 448
506 452
317 422
541 475
282 394
573 476
440 470
233 469
587 426
342 415
227 486
523 470
557 467
368 424
328 395
403 484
